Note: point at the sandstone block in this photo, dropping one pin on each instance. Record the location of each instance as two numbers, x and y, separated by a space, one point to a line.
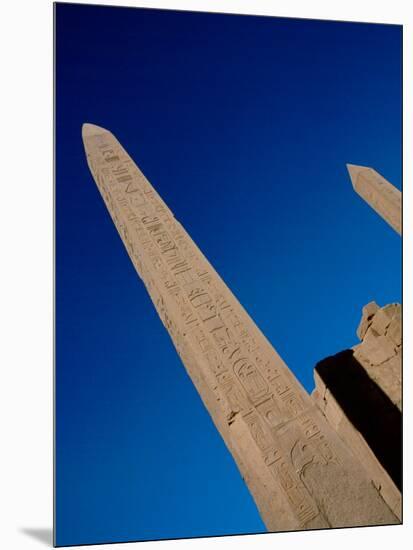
394 331
369 311
381 320
375 348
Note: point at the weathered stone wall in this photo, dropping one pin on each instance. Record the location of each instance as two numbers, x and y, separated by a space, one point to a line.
380 350
359 392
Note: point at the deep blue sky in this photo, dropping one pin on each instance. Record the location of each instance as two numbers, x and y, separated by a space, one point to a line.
244 126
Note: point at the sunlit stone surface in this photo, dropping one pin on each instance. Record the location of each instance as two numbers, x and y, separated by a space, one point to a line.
299 471
381 195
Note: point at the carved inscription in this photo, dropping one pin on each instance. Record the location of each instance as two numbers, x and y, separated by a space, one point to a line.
297 494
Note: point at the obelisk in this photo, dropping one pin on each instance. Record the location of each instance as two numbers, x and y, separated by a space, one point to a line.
299 472
380 194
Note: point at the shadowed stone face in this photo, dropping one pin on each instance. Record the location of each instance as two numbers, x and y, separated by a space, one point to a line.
298 470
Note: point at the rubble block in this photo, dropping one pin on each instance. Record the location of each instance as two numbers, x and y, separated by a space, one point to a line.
368 312
394 330
380 351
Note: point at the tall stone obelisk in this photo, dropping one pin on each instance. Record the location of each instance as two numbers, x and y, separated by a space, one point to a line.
380 194
299 472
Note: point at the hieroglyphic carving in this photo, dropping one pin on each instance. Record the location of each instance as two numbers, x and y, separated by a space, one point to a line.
216 339
300 501
141 211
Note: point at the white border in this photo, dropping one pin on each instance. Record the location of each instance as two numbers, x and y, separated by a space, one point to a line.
26 257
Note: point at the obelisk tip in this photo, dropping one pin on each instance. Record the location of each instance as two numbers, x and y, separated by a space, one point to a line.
89 130
354 170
